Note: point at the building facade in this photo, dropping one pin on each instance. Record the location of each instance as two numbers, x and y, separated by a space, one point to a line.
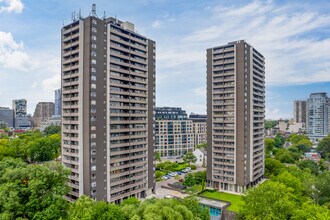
108 98
43 111
199 128
170 113
58 102
236 111
21 119
317 114
7 117
173 132
299 111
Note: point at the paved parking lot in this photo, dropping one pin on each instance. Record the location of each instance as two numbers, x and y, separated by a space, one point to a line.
161 192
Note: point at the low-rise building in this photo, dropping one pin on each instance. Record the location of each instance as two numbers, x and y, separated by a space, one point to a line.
200 155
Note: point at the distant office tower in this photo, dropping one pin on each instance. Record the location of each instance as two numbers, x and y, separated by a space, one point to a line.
236 111
199 128
20 114
58 102
299 111
108 91
317 114
173 134
7 117
44 110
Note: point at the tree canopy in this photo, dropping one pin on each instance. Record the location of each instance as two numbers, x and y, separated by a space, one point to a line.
189 158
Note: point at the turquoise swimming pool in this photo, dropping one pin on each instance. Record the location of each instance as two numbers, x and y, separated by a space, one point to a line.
214 212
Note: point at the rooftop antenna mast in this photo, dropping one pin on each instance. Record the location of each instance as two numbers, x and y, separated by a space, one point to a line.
73 16
79 14
93 11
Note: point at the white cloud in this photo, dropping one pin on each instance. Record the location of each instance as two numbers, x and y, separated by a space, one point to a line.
276 114
281 33
52 83
156 24
34 85
200 91
15 6
13 54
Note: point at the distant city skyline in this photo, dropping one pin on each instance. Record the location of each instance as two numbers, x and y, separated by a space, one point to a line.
293 37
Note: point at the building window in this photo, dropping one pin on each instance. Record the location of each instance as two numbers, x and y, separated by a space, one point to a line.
93 94
93 152
93 184
94 21
93 78
93 37
93 70
93 86
93 118
93 61
93 110
93 136
94 46
93 102
93 53
93 128
94 29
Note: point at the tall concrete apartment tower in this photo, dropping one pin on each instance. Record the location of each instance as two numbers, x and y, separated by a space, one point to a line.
299 111
108 99
317 114
58 102
235 121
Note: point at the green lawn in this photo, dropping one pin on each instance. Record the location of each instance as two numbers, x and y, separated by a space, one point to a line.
235 200
179 167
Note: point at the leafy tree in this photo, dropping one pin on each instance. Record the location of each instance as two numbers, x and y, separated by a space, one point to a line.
269 145
45 149
309 210
270 124
285 156
273 167
157 156
189 158
52 129
270 200
189 180
32 191
202 145
308 164
322 186
303 148
290 181
297 139
324 147
162 209
192 179
193 205
89 209
279 140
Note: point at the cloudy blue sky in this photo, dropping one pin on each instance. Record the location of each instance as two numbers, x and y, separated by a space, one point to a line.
294 36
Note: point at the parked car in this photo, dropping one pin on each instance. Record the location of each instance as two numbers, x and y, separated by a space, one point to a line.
181 180
188 169
172 174
165 177
179 173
